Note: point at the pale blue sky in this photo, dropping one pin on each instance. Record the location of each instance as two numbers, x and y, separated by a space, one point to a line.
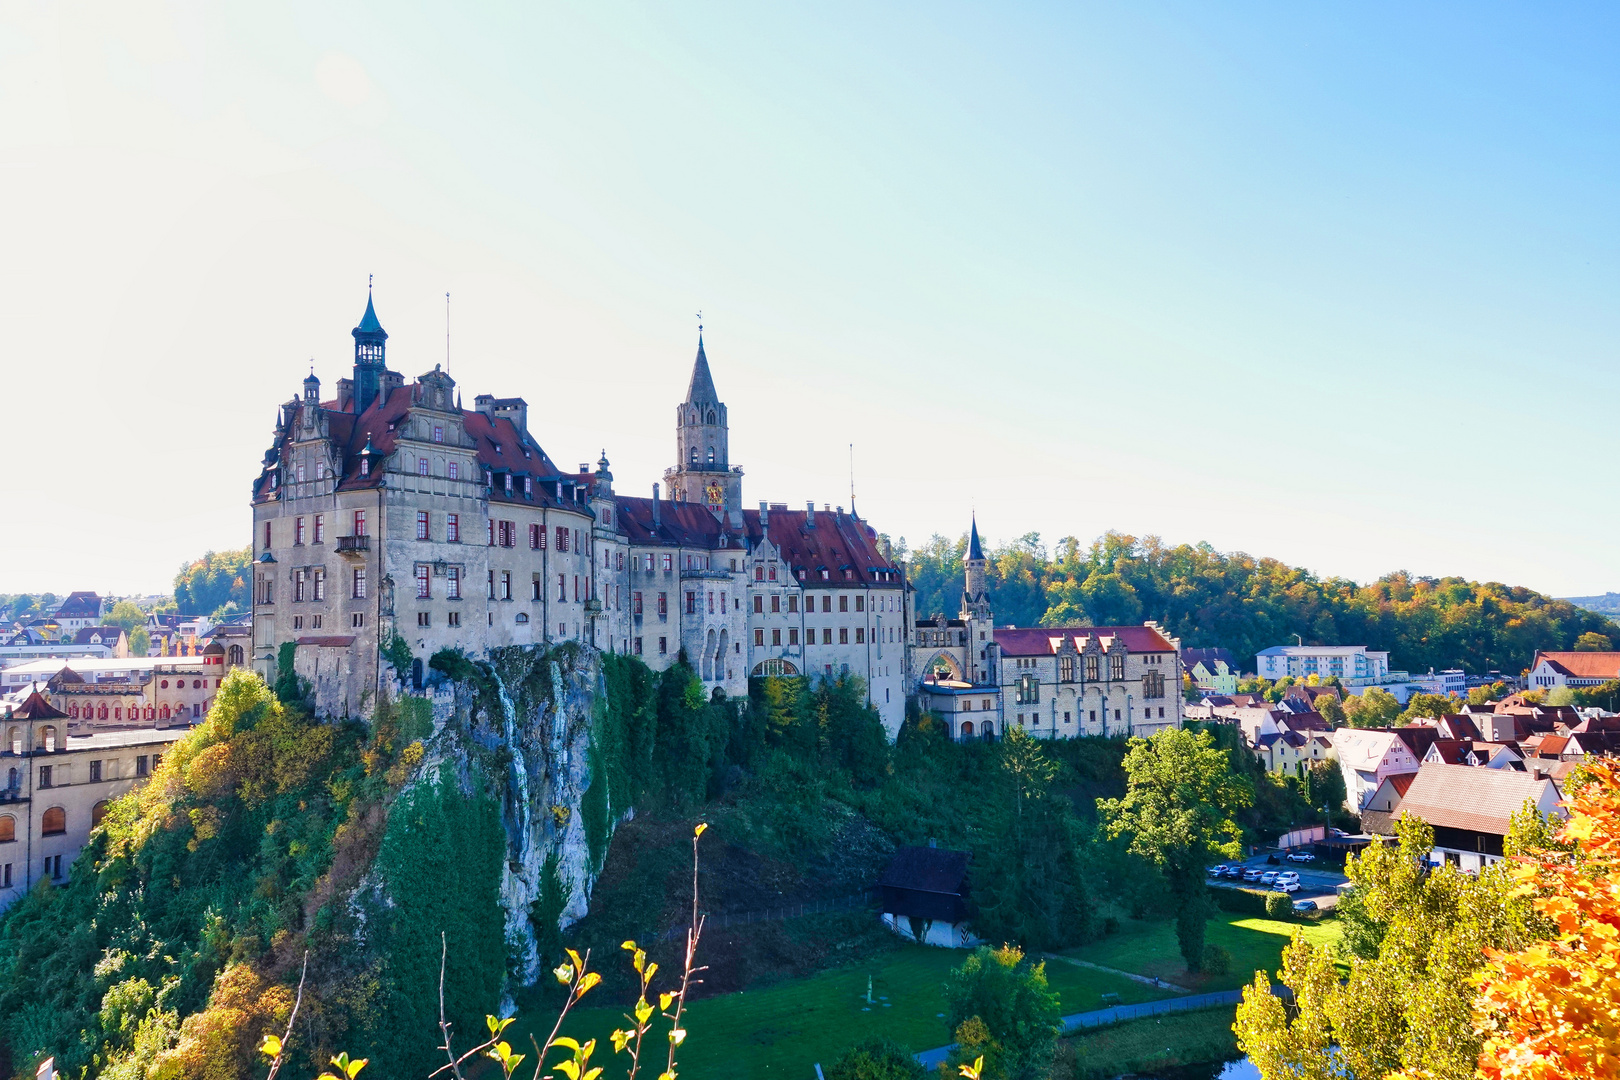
1334 283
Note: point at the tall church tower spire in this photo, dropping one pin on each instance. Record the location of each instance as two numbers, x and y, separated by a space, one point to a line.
976 595
369 357
703 471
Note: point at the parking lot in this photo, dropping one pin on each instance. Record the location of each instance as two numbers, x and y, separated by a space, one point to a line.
1316 881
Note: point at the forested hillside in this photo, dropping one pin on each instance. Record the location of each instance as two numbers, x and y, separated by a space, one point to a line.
1245 604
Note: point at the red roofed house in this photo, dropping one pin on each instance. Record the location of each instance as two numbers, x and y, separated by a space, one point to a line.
391 510
1552 669
1470 808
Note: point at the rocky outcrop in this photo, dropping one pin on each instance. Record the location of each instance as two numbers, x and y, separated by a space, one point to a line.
520 725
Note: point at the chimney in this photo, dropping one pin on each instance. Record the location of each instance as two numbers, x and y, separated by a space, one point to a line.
764 515
656 522
810 513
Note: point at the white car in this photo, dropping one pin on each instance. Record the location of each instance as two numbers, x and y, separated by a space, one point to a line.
1288 877
1301 856
1285 886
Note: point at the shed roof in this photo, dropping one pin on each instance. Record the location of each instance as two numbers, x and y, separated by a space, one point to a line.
926 869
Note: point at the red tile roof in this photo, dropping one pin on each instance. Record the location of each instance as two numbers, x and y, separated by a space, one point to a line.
1464 797
1582 665
1045 641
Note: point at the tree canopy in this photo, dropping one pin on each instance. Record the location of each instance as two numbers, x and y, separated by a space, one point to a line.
216 584
1180 797
1231 599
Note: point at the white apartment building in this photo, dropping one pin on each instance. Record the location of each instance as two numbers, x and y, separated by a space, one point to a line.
1355 665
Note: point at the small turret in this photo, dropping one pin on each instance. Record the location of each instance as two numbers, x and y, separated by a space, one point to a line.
370 350
976 595
312 388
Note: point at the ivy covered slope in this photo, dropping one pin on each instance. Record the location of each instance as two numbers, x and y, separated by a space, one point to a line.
178 939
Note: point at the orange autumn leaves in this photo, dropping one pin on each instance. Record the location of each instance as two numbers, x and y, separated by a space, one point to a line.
1553 1009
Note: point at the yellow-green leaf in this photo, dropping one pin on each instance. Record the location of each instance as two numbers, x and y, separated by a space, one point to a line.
566 1043
699 830
644 1011
591 979
628 946
271 1045
564 973
621 1039
665 1000
677 1035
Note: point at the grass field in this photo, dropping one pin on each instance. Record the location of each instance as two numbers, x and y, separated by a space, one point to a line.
1140 1046
1149 948
782 1030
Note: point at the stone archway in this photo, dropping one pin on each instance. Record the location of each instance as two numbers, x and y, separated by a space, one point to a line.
967 729
947 660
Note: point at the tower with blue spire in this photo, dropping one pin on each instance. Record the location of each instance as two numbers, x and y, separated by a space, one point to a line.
370 357
976 595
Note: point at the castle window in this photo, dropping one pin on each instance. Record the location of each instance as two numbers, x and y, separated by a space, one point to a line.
424 581
860 635
635 603
359 523
793 603
267 536
298 532
663 606
421 466
506 584
320 587
1116 666
562 592
669 562
1092 673
776 603
826 635
421 524
562 538
320 528
358 585
438 431
663 646
793 635
1066 669
776 635
694 455
452 582
759 639
759 604
452 528
711 456
454 469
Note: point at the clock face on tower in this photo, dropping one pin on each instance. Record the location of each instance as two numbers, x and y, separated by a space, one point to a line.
715 494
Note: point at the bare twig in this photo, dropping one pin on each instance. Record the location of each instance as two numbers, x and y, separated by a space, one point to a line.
574 994
281 1050
693 934
444 1024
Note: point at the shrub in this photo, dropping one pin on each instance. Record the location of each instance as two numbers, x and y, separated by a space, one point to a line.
1279 906
1217 961
1241 901
877 1058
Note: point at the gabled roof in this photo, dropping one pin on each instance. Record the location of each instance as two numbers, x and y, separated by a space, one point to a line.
1582 665
1046 641
107 634
1208 656
1418 737
927 869
80 605
1463 797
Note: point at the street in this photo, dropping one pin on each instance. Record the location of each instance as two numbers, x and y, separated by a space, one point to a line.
1316 881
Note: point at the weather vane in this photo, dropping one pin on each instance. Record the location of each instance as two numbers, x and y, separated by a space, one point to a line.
700 322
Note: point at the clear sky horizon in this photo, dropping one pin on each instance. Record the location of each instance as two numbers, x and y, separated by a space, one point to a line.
1335 285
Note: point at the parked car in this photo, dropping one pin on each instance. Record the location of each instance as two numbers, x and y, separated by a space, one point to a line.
1268 877
1217 871
1301 856
1284 886
1303 906
1252 873
1233 873
1288 875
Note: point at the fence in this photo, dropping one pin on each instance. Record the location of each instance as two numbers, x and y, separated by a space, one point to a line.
1119 1013
791 911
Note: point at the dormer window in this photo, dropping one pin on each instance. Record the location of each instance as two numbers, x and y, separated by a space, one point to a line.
528 485
826 574
365 466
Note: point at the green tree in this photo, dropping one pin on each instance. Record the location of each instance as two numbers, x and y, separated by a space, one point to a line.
1331 710
1415 948
1374 707
1421 706
1008 995
1592 641
1026 881
1180 797
125 614
877 1058
140 642
216 584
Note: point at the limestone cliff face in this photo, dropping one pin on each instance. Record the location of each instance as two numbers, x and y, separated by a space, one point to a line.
521 726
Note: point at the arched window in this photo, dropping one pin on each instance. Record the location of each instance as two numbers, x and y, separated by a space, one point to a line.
97 813
54 822
236 655
416 674
101 713
16 740
8 829
711 417
711 455
989 732
13 780
163 713
967 729
694 455
47 738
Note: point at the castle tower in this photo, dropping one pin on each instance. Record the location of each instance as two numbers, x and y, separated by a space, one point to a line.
702 471
976 596
369 358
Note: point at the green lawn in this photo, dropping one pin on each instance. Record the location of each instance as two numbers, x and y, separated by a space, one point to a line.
1149 948
1142 1046
782 1030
